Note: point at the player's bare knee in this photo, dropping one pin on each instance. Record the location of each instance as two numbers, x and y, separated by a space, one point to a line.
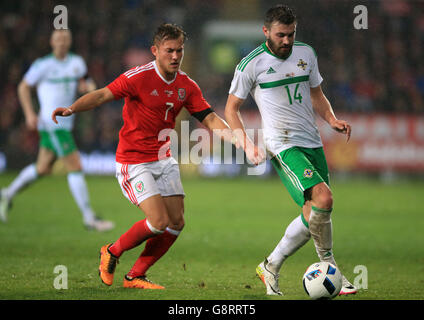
162 225
327 198
159 223
72 162
323 200
177 224
181 221
43 171
180 225
73 167
322 197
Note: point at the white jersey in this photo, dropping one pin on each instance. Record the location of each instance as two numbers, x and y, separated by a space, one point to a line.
57 85
281 89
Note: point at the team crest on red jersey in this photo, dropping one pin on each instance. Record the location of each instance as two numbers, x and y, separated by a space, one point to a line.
181 94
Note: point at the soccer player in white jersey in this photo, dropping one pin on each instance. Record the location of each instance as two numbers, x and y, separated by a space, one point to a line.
58 77
283 78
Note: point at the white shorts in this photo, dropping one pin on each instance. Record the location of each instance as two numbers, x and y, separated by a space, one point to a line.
141 181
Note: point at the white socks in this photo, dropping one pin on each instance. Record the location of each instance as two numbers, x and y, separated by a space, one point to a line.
76 183
79 190
25 177
321 230
296 235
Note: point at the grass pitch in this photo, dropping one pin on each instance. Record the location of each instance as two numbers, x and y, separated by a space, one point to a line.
231 225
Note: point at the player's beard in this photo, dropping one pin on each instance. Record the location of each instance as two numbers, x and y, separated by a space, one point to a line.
276 49
166 70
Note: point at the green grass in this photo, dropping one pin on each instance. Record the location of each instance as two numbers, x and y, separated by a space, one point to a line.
231 225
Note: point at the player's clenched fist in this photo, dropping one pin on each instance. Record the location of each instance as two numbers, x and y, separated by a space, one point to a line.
63 112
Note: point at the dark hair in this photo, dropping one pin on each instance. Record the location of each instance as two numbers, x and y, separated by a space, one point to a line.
280 13
168 31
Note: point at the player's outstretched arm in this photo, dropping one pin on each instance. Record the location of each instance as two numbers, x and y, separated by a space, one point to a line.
232 114
86 102
323 107
220 128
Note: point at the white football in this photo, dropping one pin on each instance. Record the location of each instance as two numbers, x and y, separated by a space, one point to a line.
322 280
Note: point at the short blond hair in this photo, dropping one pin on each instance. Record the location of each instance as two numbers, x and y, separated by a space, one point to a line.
168 31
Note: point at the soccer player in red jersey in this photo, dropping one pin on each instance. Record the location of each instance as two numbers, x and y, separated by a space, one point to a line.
149 177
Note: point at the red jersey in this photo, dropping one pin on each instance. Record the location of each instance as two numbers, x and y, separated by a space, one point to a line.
151 106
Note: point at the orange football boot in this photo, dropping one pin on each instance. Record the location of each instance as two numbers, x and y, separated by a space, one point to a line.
140 283
107 265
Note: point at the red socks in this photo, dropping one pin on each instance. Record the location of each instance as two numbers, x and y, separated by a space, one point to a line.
155 248
136 235
157 245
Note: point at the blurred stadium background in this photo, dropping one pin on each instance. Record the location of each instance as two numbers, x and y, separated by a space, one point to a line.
374 77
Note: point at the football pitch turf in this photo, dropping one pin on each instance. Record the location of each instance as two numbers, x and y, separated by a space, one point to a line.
231 225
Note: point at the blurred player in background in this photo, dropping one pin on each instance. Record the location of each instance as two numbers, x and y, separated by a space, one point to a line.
58 77
283 78
148 175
